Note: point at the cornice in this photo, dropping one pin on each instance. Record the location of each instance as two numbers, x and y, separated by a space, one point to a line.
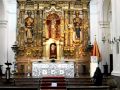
104 24
3 23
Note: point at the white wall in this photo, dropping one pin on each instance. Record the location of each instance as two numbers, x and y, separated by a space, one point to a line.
11 12
93 20
3 30
105 21
7 31
100 26
95 32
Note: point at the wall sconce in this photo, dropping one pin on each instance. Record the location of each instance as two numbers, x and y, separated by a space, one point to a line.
119 39
114 40
110 41
103 39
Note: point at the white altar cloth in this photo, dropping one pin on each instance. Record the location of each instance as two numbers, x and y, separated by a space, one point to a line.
43 69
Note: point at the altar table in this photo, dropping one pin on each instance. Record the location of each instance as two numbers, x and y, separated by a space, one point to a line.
42 69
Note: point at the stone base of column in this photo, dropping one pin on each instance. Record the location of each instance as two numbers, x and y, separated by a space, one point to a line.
115 73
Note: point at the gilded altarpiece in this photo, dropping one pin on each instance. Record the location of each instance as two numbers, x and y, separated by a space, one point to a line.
48 30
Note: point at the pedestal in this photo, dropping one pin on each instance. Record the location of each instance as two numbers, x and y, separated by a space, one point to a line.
0 70
93 65
83 69
7 74
105 69
77 68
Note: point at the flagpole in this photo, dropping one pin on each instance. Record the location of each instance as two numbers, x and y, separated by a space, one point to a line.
94 58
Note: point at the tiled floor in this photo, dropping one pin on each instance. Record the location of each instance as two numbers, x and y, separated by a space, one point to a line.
117 81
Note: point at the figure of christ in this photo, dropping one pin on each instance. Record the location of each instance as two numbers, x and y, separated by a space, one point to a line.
53 51
53 25
53 29
57 26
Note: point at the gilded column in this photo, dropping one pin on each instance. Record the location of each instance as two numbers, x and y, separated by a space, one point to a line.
22 14
35 28
71 36
40 28
66 37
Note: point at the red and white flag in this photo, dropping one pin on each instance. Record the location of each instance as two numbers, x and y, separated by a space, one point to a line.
96 51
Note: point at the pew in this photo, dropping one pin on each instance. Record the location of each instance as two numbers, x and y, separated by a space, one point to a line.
17 88
88 88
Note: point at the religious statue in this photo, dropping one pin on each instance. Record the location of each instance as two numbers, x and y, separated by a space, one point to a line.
77 21
53 29
28 33
21 36
53 25
29 22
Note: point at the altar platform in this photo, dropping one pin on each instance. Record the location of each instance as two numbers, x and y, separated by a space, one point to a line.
84 82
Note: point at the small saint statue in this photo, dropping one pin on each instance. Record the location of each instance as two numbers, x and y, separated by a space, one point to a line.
21 36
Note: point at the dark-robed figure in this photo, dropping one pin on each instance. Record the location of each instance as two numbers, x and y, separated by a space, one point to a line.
98 76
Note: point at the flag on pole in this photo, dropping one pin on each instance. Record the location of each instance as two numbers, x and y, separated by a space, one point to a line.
96 51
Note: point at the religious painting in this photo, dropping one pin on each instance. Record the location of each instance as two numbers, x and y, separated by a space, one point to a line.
53 51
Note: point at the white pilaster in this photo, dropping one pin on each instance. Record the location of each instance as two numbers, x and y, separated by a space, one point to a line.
115 33
100 26
105 46
11 32
3 45
95 19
